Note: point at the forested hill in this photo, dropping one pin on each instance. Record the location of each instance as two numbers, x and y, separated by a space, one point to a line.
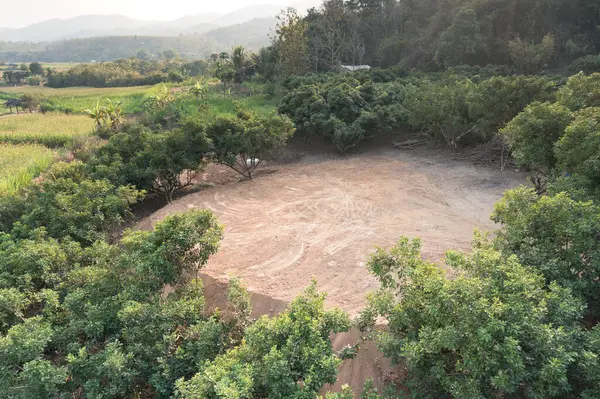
252 34
433 34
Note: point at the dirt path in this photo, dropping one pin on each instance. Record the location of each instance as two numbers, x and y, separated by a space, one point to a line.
322 217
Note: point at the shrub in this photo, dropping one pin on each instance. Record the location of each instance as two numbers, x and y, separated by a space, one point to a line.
34 80
244 141
497 100
275 355
533 133
159 162
578 150
67 203
586 64
555 235
581 91
493 330
441 110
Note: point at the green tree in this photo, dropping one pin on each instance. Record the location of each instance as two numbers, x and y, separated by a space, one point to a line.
169 54
199 90
581 91
36 68
492 330
578 150
292 43
158 162
532 135
555 235
530 57
287 356
143 54
462 42
68 203
243 142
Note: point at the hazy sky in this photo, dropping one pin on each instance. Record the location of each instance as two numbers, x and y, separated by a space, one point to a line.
16 14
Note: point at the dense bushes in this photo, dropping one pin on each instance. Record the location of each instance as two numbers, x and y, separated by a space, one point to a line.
555 235
453 110
558 138
493 330
164 162
343 110
129 72
69 203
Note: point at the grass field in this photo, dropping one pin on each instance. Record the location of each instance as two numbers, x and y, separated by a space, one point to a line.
51 130
76 99
20 164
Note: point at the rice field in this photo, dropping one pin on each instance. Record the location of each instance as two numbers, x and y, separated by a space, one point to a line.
76 99
51 130
20 164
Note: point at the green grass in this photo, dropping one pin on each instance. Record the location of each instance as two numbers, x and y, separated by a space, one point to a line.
51 130
77 99
219 105
20 164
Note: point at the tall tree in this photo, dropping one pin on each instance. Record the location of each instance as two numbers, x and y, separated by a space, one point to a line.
293 43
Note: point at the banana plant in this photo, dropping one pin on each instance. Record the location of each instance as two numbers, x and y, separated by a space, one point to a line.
199 90
98 114
114 114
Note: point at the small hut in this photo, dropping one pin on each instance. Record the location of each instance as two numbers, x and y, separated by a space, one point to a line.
13 102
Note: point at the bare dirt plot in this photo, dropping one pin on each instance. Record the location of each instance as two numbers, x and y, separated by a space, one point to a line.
322 217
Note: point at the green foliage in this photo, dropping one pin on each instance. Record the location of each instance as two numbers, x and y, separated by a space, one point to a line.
440 109
533 133
494 329
244 141
581 91
36 68
497 100
124 72
67 203
530 57
342 109
555 235
462 43
109 116
15 77
287 356
578 150
292 43
153 161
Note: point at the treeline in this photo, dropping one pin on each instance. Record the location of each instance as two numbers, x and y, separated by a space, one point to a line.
127 72
530 35
107 48
252 34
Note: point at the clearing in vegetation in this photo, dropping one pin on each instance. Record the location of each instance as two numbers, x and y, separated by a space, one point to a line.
321 218
20 164
51 130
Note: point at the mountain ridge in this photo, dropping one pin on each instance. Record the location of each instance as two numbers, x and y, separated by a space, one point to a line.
92 25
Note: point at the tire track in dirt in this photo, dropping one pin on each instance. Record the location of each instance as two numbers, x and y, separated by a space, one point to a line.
322 219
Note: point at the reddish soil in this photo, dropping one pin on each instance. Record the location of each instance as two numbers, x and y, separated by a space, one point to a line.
321 217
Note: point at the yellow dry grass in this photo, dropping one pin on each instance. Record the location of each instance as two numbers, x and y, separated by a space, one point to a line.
52 130
20 164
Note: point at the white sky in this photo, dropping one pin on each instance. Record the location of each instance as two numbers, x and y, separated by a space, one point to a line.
16 14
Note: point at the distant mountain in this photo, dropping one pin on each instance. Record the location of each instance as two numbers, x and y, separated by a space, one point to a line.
248 13
252 34
56 29
85 26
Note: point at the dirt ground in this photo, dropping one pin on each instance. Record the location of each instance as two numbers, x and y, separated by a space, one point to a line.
322 216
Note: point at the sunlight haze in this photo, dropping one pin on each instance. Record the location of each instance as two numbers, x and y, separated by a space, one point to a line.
14 15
